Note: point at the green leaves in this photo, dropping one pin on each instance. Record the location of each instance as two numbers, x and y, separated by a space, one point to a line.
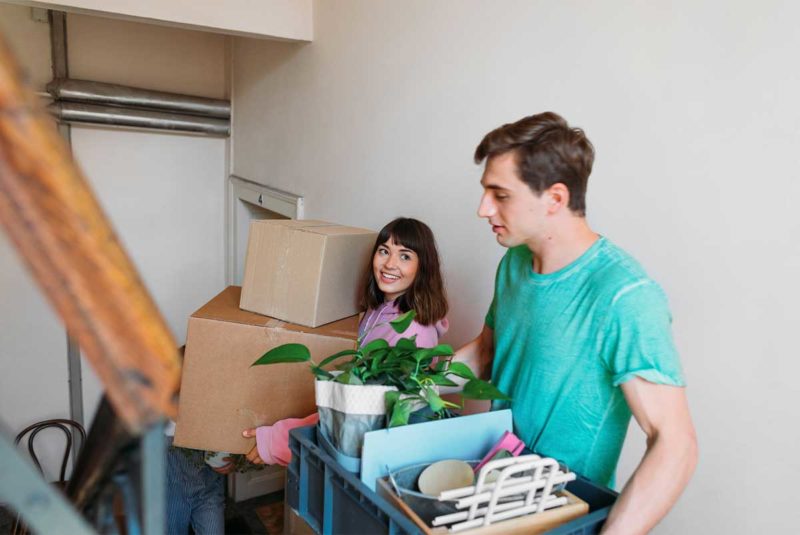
338 355
348 378
398 409
442 350
321 374
407 344
284 353
434 401
462 370
416 372
478 389
434 352
380 343
441 380
402 322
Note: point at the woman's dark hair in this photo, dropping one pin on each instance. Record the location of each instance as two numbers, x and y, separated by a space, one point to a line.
426 295
548 151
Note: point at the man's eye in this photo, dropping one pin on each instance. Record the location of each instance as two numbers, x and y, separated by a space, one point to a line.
501 197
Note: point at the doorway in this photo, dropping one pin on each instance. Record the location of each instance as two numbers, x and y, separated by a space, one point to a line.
247 202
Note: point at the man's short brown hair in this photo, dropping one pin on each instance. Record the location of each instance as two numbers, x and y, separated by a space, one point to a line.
548 151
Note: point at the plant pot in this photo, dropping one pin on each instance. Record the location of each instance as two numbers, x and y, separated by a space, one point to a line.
347 412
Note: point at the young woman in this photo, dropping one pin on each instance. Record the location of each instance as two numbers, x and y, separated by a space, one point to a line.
404 274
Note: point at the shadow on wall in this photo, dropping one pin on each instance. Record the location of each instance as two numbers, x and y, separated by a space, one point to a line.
271 57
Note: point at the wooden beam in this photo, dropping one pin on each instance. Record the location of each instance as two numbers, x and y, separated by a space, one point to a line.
61 232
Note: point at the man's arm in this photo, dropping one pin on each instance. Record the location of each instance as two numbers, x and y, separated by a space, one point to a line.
663 414
479 353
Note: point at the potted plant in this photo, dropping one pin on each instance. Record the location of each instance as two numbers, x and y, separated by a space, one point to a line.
379 385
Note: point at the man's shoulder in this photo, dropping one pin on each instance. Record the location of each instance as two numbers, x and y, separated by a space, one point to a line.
615 272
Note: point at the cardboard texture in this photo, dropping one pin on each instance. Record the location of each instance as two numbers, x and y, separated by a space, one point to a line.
306 272
221 395
293 524
524 525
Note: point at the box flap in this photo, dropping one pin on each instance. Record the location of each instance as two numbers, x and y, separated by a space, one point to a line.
225 307
315 225
294 223
337 230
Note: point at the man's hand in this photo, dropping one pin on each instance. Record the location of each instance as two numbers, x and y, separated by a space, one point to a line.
663 414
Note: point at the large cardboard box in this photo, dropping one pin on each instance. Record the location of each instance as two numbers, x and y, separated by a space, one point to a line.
221 395
306 272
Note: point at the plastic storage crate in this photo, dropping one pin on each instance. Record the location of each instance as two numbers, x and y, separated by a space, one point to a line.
334 501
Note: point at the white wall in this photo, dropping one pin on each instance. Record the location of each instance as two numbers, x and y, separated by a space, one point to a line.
143 55
164 196
163 192
692 108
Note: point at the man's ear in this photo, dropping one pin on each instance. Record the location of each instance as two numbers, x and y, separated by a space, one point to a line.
558 197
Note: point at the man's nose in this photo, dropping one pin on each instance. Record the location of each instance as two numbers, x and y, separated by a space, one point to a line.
486 207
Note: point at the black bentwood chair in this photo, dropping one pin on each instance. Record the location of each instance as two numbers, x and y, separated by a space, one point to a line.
34 429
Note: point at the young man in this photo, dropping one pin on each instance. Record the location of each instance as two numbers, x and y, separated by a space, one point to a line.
577 334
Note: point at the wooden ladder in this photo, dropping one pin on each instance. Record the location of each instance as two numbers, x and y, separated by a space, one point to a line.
59 229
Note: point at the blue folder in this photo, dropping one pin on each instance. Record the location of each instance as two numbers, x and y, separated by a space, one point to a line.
465 437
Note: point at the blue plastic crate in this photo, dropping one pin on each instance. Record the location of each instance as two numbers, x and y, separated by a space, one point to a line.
334 501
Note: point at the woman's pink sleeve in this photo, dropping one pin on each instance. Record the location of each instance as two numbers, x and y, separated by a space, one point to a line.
427 335
272 441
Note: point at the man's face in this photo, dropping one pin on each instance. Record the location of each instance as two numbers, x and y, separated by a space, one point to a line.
516 213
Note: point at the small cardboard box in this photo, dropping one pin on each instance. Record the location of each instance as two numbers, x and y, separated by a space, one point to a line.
221 395
523 525
305 272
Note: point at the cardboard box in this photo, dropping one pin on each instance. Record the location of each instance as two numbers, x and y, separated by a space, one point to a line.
305 272
523 525
293 524
221 395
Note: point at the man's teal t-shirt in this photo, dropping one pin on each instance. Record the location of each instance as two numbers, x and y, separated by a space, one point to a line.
565 341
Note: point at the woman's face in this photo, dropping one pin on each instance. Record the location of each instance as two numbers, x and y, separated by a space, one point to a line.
394 268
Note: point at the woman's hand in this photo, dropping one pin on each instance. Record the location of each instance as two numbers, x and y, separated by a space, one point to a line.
252 455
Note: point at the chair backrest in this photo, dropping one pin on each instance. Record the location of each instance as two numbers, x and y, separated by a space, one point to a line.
58 423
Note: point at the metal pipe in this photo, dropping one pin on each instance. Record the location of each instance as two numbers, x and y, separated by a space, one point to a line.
133 97
108 115
58 43
60 69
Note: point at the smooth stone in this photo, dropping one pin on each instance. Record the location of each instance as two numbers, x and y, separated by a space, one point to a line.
445 475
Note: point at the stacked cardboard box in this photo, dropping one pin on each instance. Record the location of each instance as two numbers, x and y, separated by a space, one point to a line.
305 272
305 276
